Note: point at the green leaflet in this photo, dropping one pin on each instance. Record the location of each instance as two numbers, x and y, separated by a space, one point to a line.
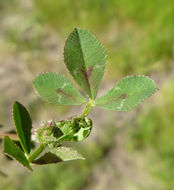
85 58
12 150
66 153
47 158
128 93
57 89
59 154
23 125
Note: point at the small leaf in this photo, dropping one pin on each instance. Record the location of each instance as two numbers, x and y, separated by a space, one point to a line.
128 93
59 154
47 158
57 89
85 58
23 125
66 153
13 151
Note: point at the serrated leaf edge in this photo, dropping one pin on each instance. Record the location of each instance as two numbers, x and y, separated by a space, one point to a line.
80 48
130 76
48 101
81 158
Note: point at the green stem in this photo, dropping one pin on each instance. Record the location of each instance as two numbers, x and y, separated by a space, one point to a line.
88 108
37 152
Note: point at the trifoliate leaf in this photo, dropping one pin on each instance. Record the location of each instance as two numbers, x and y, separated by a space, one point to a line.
23 125
13 151
57 89
85 58
59 154
128 93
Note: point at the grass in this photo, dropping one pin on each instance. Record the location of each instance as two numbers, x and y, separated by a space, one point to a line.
154 130
141 39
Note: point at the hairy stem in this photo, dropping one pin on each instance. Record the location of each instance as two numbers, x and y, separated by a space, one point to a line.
37 152
88 108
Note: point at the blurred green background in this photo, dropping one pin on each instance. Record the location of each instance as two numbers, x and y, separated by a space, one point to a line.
132 150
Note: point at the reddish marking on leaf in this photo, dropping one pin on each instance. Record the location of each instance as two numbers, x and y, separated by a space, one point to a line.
85 73
88 73
60 91
123 96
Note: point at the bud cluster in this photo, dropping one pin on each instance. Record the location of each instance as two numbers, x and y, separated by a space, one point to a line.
48 132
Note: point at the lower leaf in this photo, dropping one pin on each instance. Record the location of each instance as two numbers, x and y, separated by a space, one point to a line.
59 154
12 150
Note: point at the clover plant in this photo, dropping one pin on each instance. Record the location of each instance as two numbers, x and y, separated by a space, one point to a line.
85 58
